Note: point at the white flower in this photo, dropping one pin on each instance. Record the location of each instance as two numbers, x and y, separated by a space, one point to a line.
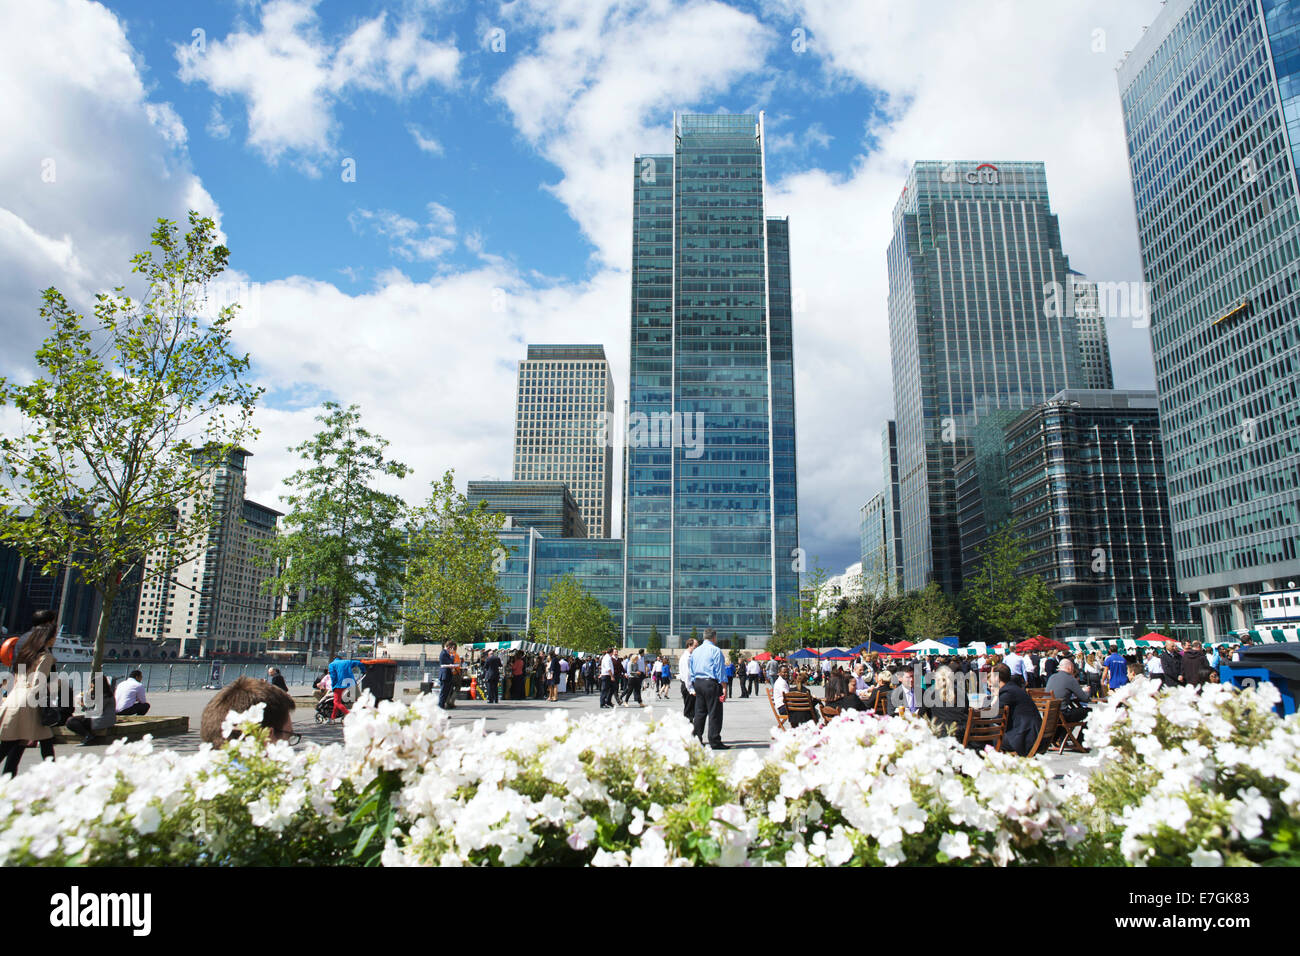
234 721
955 846
1202 857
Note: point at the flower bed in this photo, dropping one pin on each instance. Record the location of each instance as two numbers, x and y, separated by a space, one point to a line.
1181 778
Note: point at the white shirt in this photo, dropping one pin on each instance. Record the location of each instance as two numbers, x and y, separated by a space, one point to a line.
1155 665
129 693
606 666
778 693
683 672
752 668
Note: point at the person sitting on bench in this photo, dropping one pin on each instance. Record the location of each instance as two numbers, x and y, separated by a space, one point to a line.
99 712
131 701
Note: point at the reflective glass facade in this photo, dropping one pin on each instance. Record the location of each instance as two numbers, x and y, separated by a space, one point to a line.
1085 476
709 528
537 562
1209 94
545 505
975 253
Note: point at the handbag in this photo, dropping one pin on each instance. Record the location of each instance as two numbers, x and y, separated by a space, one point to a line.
50 716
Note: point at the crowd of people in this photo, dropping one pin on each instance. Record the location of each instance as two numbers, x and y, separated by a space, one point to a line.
942 689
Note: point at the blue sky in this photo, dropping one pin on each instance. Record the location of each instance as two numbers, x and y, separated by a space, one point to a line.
491 203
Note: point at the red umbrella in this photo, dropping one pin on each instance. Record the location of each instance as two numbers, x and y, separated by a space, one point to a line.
1153 636
765 656
900 646
1040 643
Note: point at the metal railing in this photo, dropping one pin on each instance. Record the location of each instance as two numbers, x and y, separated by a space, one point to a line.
160 677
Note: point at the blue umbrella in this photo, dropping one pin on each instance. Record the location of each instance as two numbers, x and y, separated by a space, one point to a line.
802 655
836 652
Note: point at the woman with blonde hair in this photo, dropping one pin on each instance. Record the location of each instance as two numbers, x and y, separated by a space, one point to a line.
32 689
947 708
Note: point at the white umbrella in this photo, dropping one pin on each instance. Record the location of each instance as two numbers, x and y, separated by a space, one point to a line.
930 647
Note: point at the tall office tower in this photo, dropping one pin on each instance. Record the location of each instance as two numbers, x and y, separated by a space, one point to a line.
215 601
975 256
1211 98
710 507
564 426
1094 347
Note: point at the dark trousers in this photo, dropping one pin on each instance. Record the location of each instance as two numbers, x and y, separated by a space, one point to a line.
445 691
688 702
80 726
607 692
493 683
708 708
633 688
135 710
11 751
731 687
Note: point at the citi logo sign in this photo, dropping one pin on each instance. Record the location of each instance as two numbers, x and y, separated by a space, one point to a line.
77 909
985 174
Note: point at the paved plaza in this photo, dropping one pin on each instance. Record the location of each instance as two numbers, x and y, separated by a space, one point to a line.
747 722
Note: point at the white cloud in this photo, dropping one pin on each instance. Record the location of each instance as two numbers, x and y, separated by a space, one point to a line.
291 77
89 163
426 144
411 240
600 84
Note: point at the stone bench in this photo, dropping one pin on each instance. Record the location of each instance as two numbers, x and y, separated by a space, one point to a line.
131 728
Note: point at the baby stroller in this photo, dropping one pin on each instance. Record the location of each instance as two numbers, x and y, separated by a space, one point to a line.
325 706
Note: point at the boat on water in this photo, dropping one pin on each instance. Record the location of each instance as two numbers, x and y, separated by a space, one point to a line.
71 649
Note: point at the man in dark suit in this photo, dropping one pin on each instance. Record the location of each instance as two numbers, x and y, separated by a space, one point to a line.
1171 660
1022 720
448 674
492 675
276 678
1049 667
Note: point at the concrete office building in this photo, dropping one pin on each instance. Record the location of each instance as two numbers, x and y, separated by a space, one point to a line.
564 427
1211 102
214 602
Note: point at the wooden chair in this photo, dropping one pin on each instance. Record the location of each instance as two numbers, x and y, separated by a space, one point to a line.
882 703
1049 713
1071 734
781 719
985 730
828 713
800 702
1038 692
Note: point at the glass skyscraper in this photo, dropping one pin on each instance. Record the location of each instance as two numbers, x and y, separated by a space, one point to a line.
710 499
1211 99
975 254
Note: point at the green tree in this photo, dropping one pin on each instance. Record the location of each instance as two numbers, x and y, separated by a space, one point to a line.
787 634
572 617
117 432
452 588
654 644
695 634
933 615
340 551
1037 610
1000 602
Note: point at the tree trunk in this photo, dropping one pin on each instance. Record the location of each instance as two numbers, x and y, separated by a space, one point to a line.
107 597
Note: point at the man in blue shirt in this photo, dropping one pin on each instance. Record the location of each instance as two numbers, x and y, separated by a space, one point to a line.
708 672
1117 667
448 674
